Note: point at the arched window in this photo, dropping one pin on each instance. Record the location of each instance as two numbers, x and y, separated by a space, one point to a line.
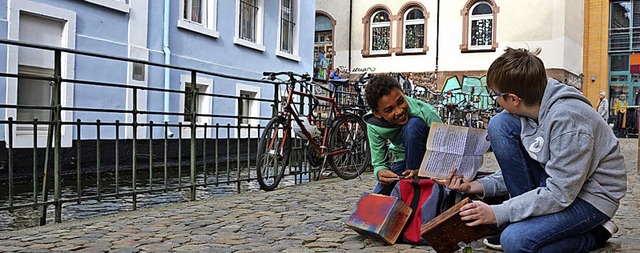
479 19
380 32
413 30
323 45
481 26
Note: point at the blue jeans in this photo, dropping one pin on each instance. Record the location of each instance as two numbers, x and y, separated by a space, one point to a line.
414 137
564 231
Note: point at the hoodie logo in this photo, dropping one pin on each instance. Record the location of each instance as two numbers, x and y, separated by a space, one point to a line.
535 147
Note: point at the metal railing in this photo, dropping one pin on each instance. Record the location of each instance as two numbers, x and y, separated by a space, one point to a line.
101 161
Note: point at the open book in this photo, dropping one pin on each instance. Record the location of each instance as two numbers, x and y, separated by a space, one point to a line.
451 147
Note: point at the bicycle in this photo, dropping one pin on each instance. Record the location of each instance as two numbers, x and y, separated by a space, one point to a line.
343 144
350 93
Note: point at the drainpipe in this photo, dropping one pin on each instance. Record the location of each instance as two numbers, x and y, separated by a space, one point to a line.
350 21
167 56
437 41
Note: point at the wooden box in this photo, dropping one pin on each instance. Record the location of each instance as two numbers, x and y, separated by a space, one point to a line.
379 217
445 231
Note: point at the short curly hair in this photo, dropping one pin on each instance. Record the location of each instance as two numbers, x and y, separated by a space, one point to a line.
378 87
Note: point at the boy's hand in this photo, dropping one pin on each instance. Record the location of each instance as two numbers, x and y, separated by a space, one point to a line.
387 176
478 212
454 182
411 174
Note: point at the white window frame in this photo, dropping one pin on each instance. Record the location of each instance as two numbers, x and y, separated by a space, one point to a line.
294 55
480 17
118 5
376 25
254 111
209 14
404 30
205 106
259 44
24 139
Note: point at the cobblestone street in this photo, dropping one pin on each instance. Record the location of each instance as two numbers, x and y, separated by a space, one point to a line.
302 218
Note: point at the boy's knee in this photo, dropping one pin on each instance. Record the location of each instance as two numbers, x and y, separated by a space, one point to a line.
515 240
503 124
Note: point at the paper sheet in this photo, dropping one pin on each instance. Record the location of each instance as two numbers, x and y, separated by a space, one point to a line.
451 147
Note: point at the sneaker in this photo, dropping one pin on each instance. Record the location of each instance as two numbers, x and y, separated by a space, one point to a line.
610 227
493 242
603 232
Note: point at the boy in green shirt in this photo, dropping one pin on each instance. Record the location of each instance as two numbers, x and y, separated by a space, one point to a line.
395 124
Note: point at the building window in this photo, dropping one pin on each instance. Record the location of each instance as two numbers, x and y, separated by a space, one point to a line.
190 97
380 33
323 45
199 16
248 109
249 24
481 26
479 31
248 20
203 103
245 106
286 26
377 32
414 30
38 23
288 30
624 26
32 92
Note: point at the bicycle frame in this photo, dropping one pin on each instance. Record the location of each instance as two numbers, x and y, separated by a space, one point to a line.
290 111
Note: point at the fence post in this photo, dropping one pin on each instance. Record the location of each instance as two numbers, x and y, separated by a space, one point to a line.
134 131
194 93
57 88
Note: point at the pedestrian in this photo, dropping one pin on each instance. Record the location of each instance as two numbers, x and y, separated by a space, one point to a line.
396 125
564 172
335 74
603 106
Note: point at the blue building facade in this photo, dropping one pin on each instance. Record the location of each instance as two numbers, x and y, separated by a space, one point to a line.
239 38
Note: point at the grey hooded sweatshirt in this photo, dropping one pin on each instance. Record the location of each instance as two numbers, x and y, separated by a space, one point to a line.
578 151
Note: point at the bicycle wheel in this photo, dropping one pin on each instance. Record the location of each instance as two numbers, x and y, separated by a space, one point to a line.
273 156
349 139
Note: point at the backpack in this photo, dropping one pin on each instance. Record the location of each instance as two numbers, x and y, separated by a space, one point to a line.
426 199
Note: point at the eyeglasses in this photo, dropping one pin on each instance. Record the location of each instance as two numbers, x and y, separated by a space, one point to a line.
494 95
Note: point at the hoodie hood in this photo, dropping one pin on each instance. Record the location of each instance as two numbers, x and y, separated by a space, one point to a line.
556 91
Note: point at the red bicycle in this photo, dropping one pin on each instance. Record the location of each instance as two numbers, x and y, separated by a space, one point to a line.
343 144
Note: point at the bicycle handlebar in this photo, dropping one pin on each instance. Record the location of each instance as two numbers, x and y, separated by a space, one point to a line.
272 75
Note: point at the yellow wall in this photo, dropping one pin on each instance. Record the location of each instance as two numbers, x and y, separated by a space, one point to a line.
596 64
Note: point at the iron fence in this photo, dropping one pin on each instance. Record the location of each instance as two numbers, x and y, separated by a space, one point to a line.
123 153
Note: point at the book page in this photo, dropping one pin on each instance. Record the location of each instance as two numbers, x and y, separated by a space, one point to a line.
451 147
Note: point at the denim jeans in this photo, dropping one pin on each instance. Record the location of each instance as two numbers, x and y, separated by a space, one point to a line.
563 231
414 137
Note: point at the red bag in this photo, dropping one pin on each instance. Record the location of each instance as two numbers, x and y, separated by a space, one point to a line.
426 199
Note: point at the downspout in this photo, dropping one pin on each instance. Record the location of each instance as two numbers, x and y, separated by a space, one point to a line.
350 21
167 57
437 41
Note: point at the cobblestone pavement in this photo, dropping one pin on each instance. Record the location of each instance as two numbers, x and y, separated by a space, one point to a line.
302 218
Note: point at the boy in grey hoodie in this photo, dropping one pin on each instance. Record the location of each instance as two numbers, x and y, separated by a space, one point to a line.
560 163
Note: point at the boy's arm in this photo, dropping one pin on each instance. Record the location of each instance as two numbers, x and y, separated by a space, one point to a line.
378 148
493 185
